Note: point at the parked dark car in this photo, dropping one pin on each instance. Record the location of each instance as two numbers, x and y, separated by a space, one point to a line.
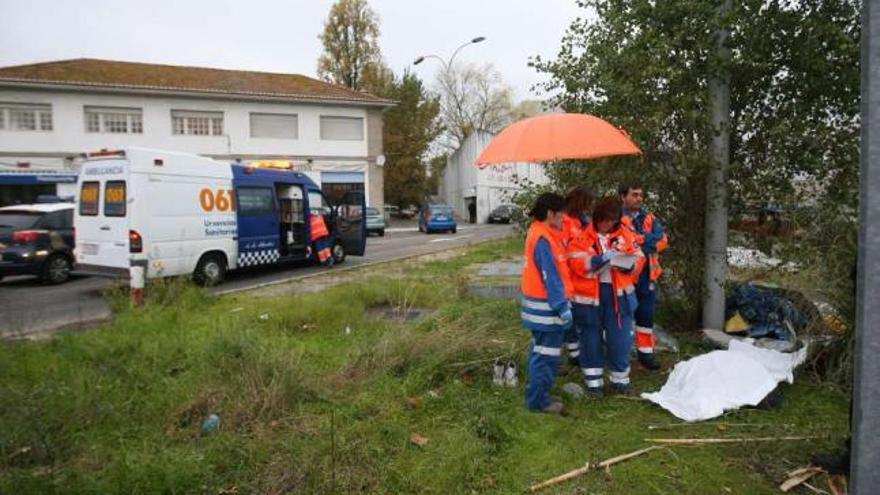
37 240
502 214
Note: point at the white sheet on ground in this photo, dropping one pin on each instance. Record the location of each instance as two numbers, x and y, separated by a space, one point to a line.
705 386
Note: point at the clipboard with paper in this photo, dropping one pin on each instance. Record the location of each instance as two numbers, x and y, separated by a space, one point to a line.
623 261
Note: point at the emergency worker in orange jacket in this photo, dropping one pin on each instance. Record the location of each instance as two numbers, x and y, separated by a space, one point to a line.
545 307
321 240
578 205
602 260
652 239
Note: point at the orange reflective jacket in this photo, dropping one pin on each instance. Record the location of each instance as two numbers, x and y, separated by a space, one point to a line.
621 240
532 282
571 228
318 227
585 283
653 259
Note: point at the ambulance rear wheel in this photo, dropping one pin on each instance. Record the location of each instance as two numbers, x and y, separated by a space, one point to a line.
210 271
338 253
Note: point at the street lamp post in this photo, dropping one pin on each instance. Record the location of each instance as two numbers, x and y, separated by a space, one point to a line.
448 65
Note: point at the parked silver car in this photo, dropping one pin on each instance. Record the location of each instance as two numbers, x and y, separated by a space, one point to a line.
375 222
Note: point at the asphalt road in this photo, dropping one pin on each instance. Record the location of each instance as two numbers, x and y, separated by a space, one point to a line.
29 309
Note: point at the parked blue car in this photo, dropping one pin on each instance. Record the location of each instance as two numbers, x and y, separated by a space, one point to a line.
437 218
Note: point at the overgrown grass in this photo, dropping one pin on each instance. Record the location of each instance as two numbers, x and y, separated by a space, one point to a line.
317 396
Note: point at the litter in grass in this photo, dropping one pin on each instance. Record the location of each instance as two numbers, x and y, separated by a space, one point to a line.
264 317
664 341
211 423
705 386
740 257
418 440
799 477
766 312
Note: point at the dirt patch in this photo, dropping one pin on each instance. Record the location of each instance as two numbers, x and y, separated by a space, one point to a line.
321 281
400 314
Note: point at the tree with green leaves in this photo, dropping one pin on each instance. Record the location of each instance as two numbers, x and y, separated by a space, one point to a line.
351 54
409 129
794 78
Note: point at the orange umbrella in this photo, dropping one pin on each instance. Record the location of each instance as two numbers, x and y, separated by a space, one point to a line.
557 136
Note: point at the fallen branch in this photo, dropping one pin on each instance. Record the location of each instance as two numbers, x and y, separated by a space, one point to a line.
701 441
719 425
834 481
799 477
606 464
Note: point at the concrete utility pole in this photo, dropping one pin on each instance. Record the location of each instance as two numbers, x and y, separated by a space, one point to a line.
865 467
716 183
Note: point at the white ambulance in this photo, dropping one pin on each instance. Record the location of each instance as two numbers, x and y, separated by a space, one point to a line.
183 214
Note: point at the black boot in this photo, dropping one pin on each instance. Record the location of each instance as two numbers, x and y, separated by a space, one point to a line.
646 359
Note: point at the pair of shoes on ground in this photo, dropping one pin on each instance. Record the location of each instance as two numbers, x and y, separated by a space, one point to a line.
505 374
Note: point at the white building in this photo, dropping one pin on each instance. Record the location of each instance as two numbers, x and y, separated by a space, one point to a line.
52 112
474 192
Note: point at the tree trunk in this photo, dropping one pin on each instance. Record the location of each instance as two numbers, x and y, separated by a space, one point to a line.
716 183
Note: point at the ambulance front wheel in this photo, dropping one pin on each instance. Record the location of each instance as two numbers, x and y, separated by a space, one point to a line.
211 270
338 253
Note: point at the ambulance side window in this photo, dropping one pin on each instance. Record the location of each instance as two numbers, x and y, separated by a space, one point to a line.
255 201
318 204
88 198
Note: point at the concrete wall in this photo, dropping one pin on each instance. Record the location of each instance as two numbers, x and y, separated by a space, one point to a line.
492 186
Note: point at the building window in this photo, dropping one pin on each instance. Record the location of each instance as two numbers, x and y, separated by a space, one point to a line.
25 117
274 125
342 128
188 123
114 120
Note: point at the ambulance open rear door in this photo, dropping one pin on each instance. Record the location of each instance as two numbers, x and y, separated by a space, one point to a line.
351 214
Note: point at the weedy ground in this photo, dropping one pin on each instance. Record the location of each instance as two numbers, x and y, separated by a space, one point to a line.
321 392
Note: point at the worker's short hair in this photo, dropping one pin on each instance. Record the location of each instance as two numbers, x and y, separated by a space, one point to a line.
545 203
579 201
608 208
625 187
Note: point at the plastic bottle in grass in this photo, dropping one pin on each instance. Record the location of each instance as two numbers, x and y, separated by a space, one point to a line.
211 423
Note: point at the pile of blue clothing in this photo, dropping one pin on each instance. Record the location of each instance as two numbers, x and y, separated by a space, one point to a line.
766 311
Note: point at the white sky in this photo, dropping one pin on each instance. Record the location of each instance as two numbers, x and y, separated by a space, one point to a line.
281 36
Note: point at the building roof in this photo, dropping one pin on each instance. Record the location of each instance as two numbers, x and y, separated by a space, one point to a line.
156 78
